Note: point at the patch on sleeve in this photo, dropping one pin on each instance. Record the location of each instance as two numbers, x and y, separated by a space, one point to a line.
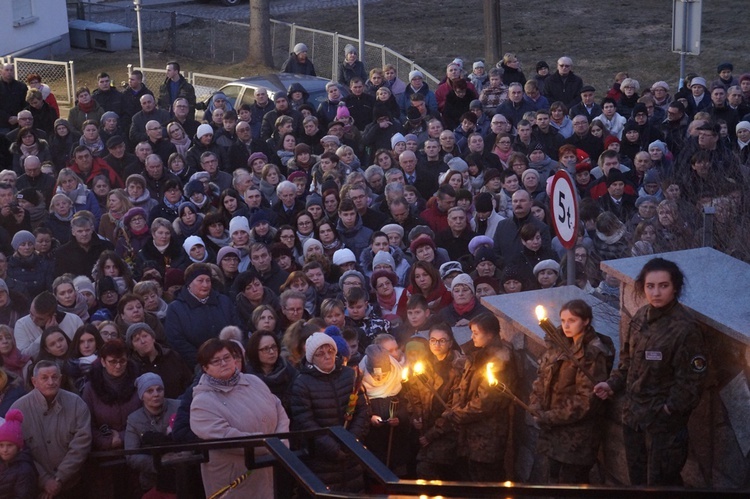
698 363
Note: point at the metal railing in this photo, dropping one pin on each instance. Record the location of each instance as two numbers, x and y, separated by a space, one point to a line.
60 76
205 84
227 41
289 466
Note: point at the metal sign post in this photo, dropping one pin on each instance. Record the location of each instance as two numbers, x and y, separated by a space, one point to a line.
686 30
564 209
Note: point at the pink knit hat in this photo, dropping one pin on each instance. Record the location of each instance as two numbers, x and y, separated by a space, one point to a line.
11 431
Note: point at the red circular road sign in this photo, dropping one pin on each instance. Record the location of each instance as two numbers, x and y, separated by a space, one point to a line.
564 209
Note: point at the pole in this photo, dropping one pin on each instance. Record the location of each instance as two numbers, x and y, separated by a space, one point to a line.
571 267
503 388
137 4
684 43
393 407
423 379
493 44
361 16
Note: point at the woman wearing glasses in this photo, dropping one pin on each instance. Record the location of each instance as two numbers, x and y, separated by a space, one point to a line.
230 404
264 361
326 394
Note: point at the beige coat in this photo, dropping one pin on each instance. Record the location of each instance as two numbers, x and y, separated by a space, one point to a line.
59 438
248 408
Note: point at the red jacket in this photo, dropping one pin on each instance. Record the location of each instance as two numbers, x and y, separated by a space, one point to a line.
436 219
99 167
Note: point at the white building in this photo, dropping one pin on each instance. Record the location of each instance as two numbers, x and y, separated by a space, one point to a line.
34 28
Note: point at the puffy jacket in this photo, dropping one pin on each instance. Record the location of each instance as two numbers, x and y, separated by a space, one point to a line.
34 271
18 477
189 322
319 400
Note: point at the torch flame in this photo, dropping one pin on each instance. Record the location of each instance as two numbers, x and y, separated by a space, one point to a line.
491 379
405 374
419 368
541 314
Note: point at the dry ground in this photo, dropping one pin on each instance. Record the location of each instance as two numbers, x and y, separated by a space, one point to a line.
602 37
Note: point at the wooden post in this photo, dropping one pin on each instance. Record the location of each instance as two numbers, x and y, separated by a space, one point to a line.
493 42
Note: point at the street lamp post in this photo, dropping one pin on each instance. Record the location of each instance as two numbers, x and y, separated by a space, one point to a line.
137 4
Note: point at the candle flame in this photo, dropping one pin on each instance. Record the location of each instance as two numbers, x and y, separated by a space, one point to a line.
419 368
541 314
491 379
405 374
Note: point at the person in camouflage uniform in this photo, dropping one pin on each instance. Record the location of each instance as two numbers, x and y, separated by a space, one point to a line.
480 412
662 370
570 416
436 457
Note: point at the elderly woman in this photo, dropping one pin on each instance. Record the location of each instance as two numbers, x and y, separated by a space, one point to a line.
162 251
71 185
131 310
390 296
197 314
230 404
325 394
150 425
27 267
132 236
465 305
61 211
264 361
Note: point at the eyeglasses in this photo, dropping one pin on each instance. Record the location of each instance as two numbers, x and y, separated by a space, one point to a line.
117 362
269 349
441 342
324 352
227 359
384 285
288 236
294 310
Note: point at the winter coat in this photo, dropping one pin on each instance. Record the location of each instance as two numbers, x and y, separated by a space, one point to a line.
18 477
44 154
173 257
248 408
72 258
318 401
279 380
570 415
140 422
481 413
348 71
109 403
184 90
294 66
189 322
76 117
566 90
167 364
402 264
34 271
357 238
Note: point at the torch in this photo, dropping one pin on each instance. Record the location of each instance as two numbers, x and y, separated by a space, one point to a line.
559 339
503 388
392 408
422 377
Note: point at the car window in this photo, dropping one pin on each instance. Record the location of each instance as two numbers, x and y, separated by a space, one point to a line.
248 97
317 97
232 92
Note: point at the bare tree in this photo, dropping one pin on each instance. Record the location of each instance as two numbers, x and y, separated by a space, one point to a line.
259 51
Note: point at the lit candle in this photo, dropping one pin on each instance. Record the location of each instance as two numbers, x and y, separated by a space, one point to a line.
421 376
491 379
405 374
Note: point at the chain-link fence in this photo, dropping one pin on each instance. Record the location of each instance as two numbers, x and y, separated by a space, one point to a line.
59 76
227 42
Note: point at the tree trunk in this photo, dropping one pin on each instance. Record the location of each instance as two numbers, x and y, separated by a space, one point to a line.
260 50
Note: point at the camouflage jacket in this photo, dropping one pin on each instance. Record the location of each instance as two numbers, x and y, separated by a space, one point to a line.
570 413
662 362
481 412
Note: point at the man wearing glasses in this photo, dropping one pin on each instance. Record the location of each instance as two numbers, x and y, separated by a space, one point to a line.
563 85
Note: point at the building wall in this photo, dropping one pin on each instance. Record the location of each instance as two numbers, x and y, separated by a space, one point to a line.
50 27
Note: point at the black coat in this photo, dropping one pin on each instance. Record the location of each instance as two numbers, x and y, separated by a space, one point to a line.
173 256
567 90
18 477
71 258
319 401
35 272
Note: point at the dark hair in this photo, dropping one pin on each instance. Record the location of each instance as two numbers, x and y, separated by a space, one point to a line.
124 269
175 64
430 269
417 301
355 294
377 234
43 353
528 231
113 348
579 308
446 190
346 204
211 347
86 328
44 303
660 265
252 348
127 298
487 322
444 327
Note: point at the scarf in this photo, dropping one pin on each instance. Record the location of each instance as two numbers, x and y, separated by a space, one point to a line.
189 230
96 147
140 232
389 387
502 155
88 360
171 206
66 218
87 108
77 195
387 303
32 150
80 308
182 145
15 361
232 381
221 241
464 309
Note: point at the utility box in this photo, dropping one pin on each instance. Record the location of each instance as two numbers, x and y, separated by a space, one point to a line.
78 31
110 37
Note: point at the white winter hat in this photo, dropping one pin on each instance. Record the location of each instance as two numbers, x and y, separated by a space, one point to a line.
383 257
299 48
547 265
315 341
237 224
342 256
192 241
464 279
204 129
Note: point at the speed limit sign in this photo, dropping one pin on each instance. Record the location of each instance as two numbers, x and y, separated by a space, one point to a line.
564 209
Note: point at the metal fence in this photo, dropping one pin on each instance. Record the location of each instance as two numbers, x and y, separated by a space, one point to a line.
205 84
59 76
227 42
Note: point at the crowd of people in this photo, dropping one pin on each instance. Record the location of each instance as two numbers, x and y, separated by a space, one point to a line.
279 266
